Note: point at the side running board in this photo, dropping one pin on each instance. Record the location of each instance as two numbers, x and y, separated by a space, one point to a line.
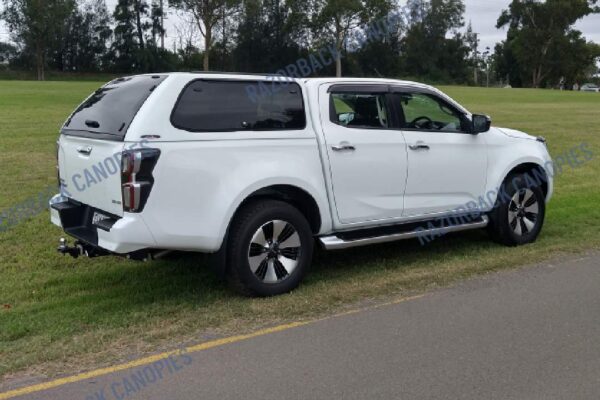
426 229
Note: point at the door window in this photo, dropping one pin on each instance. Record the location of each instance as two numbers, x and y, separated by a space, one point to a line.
359 110
421 111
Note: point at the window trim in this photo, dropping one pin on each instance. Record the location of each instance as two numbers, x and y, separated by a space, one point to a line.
242 81
372 89
92 135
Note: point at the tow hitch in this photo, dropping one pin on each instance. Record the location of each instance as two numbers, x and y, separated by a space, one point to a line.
79 249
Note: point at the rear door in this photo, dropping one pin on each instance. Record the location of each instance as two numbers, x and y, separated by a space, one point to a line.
91 142
367 156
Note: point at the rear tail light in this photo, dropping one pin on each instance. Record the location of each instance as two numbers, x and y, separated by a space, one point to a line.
58 180
136 177
131 163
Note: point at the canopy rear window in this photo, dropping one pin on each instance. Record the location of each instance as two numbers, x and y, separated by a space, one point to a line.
109 111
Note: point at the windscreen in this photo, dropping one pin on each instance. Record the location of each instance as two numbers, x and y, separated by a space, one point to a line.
109 111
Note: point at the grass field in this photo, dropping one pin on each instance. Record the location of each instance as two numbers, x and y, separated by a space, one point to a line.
59 315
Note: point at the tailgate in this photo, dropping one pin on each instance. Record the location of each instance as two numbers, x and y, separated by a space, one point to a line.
91 172
92 140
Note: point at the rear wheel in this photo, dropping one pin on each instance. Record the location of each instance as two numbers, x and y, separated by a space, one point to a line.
519 214
270 248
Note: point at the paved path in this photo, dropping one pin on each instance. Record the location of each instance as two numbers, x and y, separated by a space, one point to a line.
533 333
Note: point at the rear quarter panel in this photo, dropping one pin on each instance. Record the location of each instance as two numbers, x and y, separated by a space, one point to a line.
202 178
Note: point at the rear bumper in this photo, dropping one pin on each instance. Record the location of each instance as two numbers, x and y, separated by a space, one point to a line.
120 235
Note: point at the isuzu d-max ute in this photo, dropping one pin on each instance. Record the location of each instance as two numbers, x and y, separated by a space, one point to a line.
259 169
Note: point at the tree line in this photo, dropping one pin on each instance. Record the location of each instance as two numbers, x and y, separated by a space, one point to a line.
427 39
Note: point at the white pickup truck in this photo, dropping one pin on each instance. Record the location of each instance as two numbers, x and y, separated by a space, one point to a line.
257 169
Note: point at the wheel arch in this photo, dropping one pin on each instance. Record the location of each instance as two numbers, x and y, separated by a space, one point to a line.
536 171
303 199
315 209
538 168
293 195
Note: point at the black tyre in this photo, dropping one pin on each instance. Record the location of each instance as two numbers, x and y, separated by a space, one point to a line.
270 248
519 214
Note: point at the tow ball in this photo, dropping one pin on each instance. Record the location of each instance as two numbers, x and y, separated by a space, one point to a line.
79 249
82 249
73 251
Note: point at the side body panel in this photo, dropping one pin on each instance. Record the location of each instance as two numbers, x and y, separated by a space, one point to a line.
479 175
202 177
506 153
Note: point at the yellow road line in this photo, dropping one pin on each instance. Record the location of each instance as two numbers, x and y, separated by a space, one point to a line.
191 349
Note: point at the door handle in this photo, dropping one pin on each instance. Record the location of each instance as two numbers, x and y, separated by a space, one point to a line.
86 151
419 146
343 147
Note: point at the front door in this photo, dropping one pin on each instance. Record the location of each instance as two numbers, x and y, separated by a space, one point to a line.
447 166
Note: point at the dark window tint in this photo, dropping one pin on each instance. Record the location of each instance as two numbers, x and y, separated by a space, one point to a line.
111 109
221 106
359 110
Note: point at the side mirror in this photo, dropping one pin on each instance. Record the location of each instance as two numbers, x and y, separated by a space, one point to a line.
481 124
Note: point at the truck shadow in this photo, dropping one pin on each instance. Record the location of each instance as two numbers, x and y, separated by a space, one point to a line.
196 282
81 296
183 280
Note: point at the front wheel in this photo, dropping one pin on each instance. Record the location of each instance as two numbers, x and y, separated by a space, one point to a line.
518 216
270 248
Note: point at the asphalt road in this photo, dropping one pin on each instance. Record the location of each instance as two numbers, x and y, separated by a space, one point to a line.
532 333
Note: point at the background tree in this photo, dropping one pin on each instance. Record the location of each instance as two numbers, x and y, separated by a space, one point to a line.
540 35
378 48
86 40
37 25
7 52
136 45
337 20
140 9
186 45
472 42
157 24
572 57
275 29
430 42
433 46
125 46
207 14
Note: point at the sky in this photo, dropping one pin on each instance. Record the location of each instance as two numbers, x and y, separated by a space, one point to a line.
483 14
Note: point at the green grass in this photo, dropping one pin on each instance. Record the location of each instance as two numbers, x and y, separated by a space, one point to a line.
63 315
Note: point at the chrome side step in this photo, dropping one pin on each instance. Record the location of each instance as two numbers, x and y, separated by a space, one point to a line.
335 242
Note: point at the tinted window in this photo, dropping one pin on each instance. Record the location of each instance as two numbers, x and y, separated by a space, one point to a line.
110 110
359 110
426 112
225 106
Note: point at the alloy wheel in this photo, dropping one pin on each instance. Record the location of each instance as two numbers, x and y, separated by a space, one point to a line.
523 212
274 251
